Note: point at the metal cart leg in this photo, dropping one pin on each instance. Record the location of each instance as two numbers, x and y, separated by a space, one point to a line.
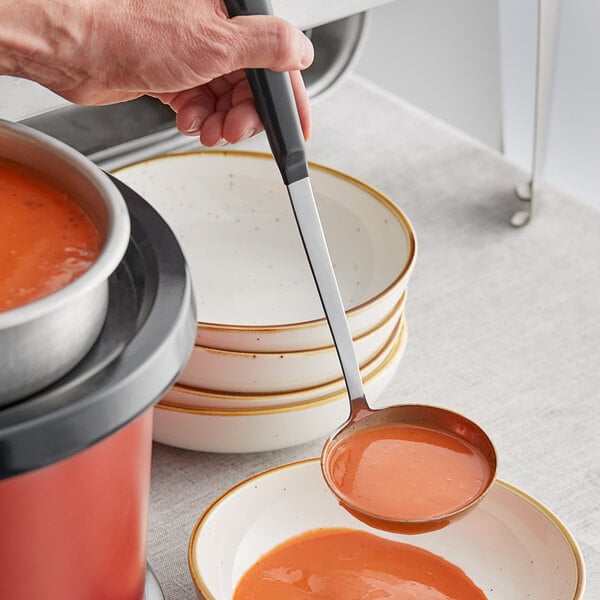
547 37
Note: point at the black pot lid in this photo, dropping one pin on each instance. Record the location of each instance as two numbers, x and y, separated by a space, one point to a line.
145 342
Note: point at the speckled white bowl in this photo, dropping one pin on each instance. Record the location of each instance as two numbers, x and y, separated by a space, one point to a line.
181 395
268 428
255 293
277 372
511 546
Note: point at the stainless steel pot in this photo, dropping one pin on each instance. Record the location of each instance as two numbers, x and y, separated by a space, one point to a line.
43 340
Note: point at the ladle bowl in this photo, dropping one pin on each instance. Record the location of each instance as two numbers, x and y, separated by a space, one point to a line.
430 417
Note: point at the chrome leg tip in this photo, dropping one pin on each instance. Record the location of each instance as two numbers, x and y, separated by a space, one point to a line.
523 192
520 218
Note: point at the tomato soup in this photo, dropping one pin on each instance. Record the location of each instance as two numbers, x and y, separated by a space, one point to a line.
46 239
406 472
343 564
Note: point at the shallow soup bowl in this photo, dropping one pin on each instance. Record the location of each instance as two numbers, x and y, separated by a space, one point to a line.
389 354
233 218
285 371
267 423
510 546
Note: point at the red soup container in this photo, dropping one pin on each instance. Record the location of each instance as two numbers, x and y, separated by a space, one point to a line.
75 457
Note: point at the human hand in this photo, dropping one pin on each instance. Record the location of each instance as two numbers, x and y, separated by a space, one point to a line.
189 55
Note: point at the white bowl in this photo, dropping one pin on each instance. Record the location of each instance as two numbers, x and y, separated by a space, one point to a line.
181 395
271 428
273 372
511 546
254 289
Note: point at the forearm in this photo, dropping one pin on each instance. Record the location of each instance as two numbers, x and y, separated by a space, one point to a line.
93 51
39 39
188 54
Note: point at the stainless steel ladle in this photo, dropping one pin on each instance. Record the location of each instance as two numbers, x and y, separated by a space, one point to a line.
276 106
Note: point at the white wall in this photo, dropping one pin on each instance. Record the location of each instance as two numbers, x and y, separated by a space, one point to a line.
573 155
441 55
472 63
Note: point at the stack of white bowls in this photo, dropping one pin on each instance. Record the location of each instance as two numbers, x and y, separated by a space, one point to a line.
264 373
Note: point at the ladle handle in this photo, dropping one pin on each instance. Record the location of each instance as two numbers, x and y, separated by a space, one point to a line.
315 245
274 99
276 106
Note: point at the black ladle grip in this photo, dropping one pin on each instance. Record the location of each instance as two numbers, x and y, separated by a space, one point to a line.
276 105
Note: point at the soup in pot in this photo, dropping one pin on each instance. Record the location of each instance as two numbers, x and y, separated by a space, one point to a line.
46 239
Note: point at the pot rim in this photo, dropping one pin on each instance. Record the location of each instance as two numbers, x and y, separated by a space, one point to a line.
115 241
127 375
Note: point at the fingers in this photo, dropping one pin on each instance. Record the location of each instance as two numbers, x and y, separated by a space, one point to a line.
220 112
232 126
195 105
231 116
268 42
192 108
241 122
302 102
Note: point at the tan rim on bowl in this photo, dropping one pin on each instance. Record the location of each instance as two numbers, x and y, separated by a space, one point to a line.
397 310
196 577
393 209
202 587
397 341
250 373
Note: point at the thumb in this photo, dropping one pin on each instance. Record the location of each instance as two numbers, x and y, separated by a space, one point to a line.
268 42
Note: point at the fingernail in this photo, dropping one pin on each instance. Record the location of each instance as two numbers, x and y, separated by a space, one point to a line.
193 128
221 142
247 134
308 52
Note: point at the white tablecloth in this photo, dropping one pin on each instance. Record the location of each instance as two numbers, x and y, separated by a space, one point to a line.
504 324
